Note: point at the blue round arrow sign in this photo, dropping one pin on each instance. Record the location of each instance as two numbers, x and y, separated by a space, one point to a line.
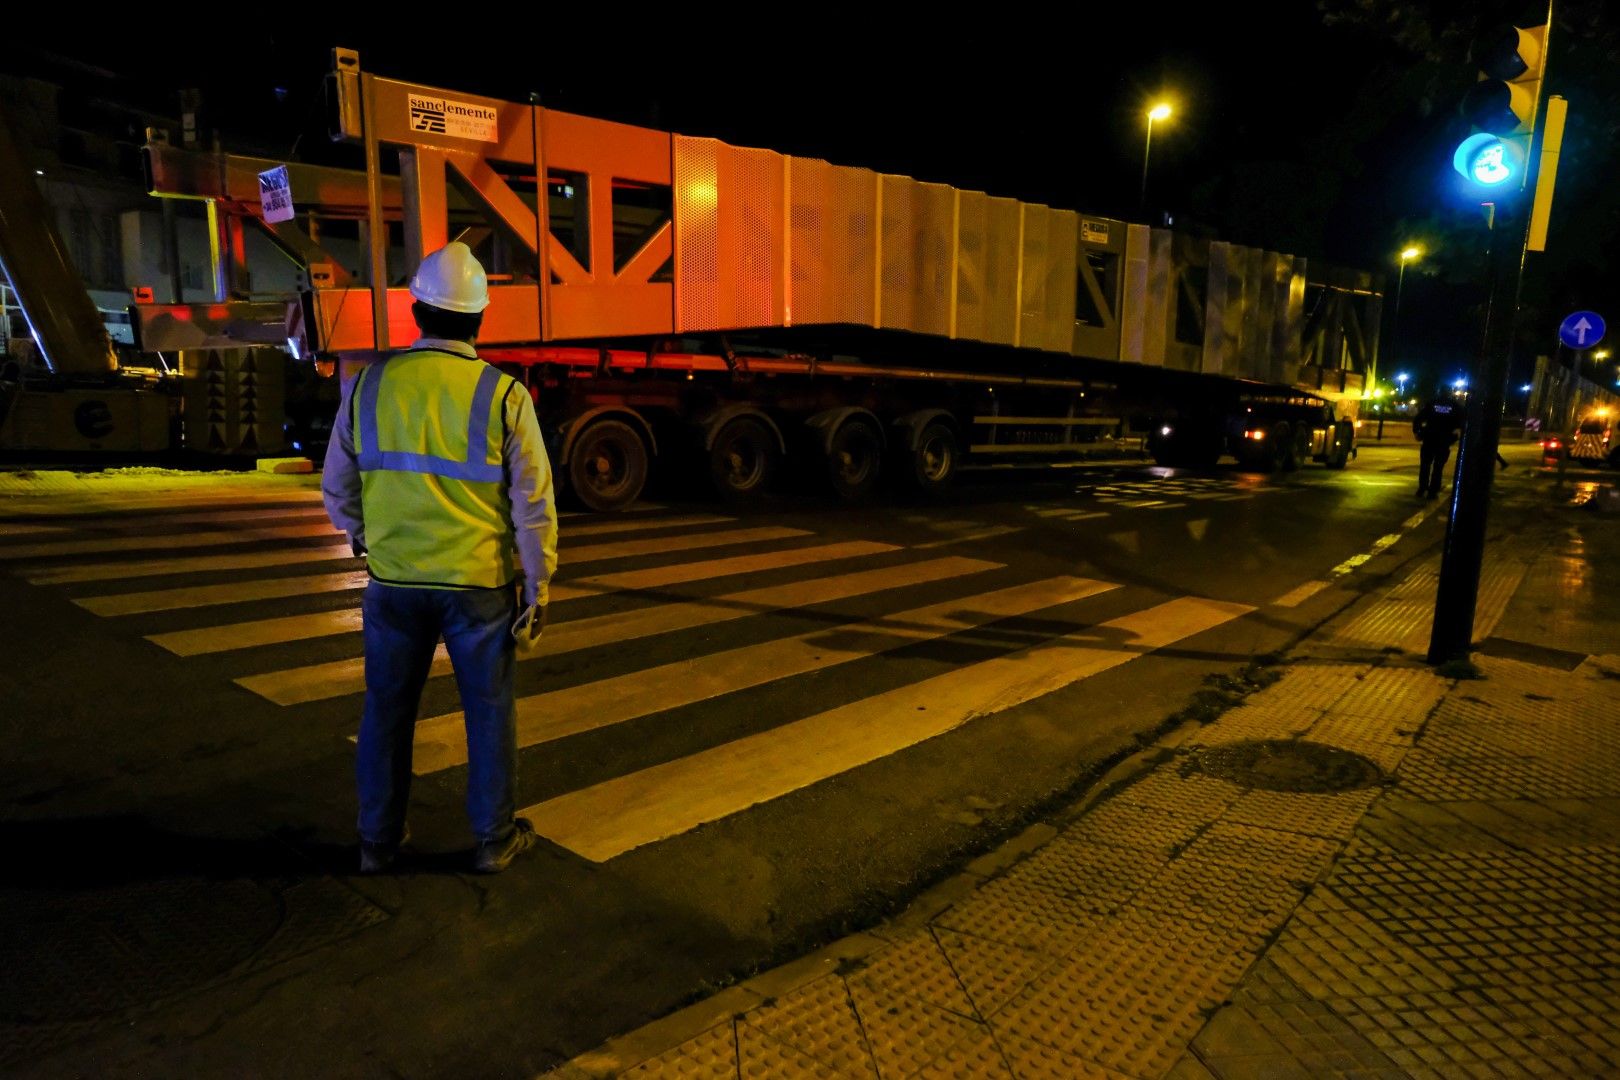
1582 330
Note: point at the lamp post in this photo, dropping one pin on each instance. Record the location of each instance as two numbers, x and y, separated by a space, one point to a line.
1408 254
1161 111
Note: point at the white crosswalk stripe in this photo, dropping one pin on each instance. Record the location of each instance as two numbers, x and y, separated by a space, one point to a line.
348 676
709 579
618 815
441 741
285 629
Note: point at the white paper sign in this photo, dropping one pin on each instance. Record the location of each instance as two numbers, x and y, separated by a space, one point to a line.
275 195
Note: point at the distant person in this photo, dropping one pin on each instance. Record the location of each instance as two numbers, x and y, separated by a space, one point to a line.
437 472
1436 426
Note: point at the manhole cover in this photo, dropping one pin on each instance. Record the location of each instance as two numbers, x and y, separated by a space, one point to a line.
1288 765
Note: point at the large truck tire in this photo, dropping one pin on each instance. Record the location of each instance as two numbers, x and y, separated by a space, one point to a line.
1344 434
743 459
607 466
854 459
932 463
1284 450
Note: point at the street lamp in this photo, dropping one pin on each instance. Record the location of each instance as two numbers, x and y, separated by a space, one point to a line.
1408 254
1161 111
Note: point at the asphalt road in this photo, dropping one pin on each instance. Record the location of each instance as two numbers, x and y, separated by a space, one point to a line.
752 729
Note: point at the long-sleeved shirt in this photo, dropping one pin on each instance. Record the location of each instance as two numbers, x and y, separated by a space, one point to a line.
528 478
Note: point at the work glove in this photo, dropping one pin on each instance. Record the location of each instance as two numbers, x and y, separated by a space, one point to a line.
528 628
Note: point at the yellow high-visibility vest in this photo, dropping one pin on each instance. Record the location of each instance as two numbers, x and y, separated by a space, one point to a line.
428 432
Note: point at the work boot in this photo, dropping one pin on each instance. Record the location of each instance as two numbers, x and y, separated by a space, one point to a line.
376 858
493 856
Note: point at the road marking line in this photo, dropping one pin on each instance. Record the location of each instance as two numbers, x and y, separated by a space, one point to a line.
18 529
193 564
640 525
276 631
235 592
627 812
441 741
295 685
1169 506
983 534
1298 595
224 517
1085 515
106 544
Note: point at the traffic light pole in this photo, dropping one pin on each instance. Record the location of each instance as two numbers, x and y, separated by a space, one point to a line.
1464 553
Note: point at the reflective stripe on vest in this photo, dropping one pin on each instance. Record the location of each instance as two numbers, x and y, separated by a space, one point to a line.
475 467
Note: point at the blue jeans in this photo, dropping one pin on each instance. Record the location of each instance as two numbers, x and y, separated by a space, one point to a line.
402 628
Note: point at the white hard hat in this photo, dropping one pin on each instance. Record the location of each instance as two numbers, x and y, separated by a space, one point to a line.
452 278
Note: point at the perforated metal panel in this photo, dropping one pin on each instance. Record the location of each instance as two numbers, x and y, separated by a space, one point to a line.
1047 277
697 233
728 236
831 244
1001 271
916 252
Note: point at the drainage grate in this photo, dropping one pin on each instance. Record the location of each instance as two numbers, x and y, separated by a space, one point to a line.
1287 765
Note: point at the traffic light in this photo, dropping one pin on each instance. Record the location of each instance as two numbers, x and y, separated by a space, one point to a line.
1502 105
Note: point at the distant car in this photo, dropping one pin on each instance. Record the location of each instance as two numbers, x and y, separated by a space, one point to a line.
1552 448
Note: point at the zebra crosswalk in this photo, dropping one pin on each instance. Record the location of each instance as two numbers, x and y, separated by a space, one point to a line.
654 612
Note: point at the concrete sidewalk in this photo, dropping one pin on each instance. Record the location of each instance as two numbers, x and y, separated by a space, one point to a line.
1364 870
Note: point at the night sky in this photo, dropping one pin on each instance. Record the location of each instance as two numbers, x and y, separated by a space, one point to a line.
1322 129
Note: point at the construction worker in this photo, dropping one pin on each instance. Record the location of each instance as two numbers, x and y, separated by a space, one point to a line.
437 473
1436 426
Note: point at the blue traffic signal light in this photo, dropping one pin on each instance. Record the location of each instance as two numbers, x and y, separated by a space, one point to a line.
1502 108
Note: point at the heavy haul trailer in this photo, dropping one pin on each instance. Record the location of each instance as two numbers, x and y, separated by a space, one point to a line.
673 293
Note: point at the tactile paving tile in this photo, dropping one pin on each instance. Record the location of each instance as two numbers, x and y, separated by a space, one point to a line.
761 1057
710 1056
1486 879
992 972
1388 622
1204 892
1332 816
904 1032
1201 798
1330 950
914 965
976 1057
1120 824
1440 777
1036 1061
819 1021
1253 722
1395 693
1267 983
1125 1004
1387 828
1379 740
1309 686
1302 1038
1022 915
1099 876
1272 852
1572 1030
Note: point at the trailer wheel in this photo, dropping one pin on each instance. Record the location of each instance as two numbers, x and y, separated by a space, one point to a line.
1283 448
1343 434
854 459
608 466
743 458
934 460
